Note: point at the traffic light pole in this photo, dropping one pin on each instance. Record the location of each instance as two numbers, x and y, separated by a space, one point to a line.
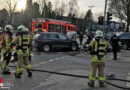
104 24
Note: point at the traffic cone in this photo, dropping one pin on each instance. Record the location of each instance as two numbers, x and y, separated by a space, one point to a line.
1 83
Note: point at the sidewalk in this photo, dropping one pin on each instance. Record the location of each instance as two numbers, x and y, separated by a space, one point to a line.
123 56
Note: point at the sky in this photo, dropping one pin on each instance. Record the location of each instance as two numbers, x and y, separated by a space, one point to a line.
97 10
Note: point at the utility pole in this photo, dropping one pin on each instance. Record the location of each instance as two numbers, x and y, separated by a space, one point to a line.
105 15
44 10
91 11
91 7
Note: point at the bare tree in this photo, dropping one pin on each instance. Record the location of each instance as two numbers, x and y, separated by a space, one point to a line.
61 9
73 7
121 9
10 6
41 4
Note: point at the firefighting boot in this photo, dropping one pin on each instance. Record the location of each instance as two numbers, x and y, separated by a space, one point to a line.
29 73
6 72
101 84
18 75
91 84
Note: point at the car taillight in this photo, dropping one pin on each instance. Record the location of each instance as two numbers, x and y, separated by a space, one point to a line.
38 40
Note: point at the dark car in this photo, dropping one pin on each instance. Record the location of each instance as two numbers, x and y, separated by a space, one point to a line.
53 40
125 40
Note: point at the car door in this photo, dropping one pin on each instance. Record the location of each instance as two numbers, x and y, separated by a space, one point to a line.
63 41
53 40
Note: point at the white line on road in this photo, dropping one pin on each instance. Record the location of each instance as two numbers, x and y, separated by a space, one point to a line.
57 58
51 60
62 57
128 78
13 71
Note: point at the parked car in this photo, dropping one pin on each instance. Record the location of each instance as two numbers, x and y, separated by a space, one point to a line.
53 40
125 40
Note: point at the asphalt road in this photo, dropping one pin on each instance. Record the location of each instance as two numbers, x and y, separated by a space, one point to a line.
65 63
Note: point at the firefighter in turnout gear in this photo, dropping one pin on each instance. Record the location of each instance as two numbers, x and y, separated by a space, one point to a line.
98 49
30 49
23 44
6 49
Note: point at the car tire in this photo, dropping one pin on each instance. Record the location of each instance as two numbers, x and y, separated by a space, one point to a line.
46 48
74 47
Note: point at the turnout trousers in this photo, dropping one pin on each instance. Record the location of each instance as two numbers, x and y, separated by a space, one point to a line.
6 58
23 59
94 67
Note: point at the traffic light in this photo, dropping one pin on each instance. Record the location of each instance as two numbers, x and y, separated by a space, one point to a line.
100 20
109 17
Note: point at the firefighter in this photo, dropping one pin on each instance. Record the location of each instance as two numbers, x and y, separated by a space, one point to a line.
44 30
1 31
81 37
97 48
115 46
23 44
30 49
1 34
6 49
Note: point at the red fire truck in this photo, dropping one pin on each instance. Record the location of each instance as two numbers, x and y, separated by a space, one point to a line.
52 25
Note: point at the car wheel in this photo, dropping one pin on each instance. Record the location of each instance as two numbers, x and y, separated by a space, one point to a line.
46 48
74 47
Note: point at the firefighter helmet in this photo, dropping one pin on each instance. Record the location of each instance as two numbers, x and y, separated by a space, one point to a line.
99 33
8 28
21 28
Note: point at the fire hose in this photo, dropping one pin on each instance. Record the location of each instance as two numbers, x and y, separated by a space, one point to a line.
108 78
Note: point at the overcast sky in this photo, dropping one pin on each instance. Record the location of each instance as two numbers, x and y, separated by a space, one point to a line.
97 10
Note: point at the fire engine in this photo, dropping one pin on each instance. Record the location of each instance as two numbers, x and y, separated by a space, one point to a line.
52 25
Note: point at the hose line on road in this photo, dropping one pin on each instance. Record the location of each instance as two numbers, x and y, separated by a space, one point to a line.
80 76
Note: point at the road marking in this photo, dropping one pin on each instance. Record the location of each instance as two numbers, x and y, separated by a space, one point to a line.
43 62
62 57
13 71
51 60
57 58
66 56
128 78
